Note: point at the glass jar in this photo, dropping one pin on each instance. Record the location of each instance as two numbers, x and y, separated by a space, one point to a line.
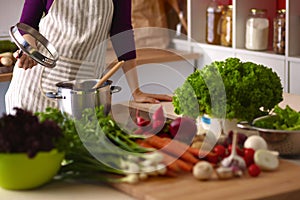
257 30
279 32
226 26
213 15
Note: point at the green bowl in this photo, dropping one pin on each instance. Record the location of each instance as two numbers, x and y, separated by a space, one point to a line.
19 172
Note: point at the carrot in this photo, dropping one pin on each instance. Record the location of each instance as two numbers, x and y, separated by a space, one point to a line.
171 163
143 143
176 164
168 160
184 146
172 147
200 153
185 166
170 173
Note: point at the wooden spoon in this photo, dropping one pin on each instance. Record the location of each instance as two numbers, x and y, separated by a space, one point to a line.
108 74
175 6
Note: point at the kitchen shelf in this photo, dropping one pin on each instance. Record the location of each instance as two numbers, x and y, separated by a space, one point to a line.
150 55
144 56
284 65
5 77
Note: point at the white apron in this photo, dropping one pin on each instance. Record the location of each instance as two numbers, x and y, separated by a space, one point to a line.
78 29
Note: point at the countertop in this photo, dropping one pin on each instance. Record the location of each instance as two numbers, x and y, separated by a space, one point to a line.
77 190
66 191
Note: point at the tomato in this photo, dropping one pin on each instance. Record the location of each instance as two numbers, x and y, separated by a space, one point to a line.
249 156
212 158
239 151
220 150
254 170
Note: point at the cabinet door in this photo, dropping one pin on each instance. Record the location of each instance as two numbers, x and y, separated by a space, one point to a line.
276 63
210 53
293 28
294 77
158 78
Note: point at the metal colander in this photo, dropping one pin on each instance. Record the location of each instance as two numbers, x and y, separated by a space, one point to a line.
286 142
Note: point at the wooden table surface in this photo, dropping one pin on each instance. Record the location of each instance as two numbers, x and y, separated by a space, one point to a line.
283 183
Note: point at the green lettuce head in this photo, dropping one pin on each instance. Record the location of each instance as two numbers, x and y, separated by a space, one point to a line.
229 89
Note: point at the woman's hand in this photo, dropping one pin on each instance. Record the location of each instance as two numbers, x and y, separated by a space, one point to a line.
142 97
24 61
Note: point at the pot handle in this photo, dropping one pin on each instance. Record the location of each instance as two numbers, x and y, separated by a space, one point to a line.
244 125
115 89
53 95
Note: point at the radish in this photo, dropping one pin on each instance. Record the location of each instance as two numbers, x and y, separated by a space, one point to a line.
140 121
158 115
157 126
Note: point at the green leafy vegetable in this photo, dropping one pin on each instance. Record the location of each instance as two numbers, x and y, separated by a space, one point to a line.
229 89
95 146
284 119
24 133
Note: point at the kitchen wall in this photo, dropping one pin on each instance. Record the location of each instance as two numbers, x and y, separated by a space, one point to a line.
10 11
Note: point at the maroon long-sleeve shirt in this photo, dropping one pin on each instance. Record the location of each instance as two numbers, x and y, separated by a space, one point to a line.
33 11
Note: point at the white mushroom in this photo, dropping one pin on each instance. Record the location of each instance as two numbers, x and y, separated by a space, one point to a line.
203 170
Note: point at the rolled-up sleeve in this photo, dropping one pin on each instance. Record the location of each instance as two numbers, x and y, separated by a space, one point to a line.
33 11
122 35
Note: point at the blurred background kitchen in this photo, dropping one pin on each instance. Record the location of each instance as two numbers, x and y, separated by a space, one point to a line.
202 31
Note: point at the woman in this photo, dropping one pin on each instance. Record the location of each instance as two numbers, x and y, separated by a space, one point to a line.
76 28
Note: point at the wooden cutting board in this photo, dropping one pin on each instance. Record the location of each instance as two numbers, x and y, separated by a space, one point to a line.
281 184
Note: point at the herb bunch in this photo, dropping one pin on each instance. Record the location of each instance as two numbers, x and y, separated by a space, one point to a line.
87 139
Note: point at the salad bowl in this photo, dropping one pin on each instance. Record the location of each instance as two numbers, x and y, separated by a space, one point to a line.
19 172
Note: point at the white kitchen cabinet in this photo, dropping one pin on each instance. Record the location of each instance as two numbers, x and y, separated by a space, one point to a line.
281 64
211 52
294 71
10 12
158 78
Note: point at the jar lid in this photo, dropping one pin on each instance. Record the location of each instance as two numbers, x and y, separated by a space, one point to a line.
281 11
258 11
229 7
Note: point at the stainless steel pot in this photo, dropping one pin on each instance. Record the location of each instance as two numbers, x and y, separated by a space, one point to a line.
286 142
75 96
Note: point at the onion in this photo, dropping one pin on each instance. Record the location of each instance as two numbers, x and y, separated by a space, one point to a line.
255 142
183 128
